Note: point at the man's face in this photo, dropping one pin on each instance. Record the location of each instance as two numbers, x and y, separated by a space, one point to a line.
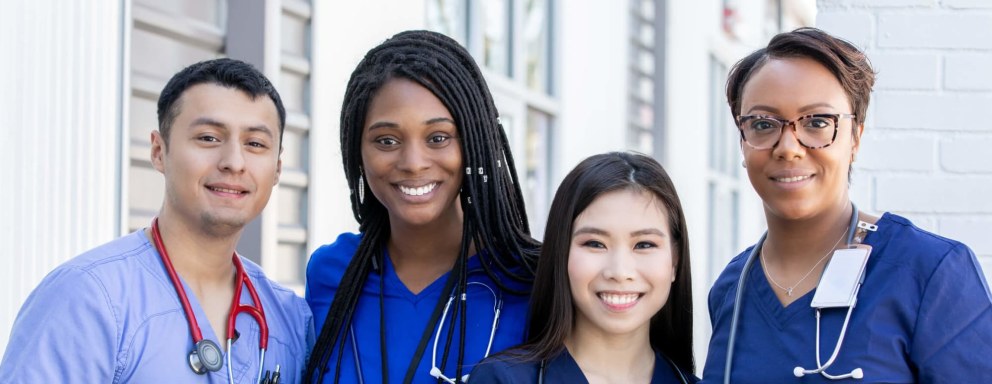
221 160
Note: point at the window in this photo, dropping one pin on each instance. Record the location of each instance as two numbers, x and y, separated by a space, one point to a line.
642 77
724 166
494 35
448 17
537 44
513 41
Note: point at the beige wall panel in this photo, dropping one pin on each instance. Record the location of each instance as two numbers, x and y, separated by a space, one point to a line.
200 10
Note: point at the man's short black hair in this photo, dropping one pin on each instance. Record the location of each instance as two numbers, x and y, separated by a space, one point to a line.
225 72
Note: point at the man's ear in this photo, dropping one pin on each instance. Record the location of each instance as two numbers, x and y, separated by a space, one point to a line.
278 168
158 151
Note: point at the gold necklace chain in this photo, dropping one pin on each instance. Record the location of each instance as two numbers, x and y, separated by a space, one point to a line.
788 291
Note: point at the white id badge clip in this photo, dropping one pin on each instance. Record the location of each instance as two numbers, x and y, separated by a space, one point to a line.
842 278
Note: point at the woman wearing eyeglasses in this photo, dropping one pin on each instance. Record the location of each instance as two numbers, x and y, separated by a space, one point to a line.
915 307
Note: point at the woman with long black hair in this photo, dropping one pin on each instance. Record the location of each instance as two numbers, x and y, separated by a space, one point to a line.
439 275
615 283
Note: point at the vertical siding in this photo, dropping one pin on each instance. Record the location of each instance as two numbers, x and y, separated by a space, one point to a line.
287 265
61 124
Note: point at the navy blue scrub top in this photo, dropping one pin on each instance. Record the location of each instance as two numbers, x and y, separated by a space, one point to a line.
504 369
924 314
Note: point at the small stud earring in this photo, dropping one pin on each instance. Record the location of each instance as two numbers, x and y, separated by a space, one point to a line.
744 164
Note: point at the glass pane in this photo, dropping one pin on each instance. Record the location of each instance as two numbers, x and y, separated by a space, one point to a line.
647 9
496 36
647 34
537 154
645 62
292 264
295 33
292 206
645 89
448 17
537 41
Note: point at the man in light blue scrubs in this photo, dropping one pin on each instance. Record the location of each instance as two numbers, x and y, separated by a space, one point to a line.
115 315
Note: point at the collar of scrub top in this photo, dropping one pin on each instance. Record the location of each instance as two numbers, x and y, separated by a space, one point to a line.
206 355
853 228
542 369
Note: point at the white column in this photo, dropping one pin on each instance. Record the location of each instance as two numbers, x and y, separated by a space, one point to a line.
60 116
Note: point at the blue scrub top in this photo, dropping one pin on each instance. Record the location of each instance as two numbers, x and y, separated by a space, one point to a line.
111 315
407 315
505 369
924 314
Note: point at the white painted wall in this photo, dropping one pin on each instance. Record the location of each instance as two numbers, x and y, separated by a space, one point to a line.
593 77
61 125
343 32
926 150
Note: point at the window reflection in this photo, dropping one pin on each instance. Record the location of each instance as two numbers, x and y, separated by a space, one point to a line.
448 17
496 35
536 40
537 169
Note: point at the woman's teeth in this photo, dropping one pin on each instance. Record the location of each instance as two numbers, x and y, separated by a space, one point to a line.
791 179
619 299
418 191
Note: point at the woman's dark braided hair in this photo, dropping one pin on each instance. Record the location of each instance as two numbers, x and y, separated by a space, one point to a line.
494 219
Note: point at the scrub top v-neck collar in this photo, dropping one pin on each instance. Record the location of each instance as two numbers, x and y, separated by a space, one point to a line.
760 290
243 351
395 287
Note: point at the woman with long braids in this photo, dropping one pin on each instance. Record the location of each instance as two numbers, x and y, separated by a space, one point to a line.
439 275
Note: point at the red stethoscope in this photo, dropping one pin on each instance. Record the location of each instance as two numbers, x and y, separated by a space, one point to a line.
206 355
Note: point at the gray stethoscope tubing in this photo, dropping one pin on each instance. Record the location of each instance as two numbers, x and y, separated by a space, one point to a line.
748 264
497 306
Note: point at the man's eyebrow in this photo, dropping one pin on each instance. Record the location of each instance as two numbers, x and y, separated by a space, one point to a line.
261 128
208 121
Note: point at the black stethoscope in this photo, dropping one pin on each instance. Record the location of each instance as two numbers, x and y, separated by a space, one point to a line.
682 378
435 372
857 373
206 355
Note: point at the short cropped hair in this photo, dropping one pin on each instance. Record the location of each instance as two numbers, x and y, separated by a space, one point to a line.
848 64
225 72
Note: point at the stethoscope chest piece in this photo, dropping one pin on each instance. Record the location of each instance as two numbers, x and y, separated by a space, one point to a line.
205 357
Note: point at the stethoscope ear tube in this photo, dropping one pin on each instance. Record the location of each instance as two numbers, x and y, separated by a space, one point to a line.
737 306
739 295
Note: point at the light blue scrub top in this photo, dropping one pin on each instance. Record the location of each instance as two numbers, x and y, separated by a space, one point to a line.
924 315
111 315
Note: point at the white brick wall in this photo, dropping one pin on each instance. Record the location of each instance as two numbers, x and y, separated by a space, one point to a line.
927 149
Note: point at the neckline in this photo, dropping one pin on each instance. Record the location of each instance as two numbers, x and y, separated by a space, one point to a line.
760 289
396 288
